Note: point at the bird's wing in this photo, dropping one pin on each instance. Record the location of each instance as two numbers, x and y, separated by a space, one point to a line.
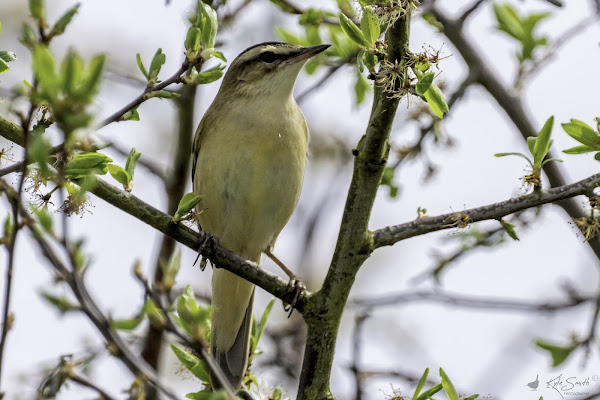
196 147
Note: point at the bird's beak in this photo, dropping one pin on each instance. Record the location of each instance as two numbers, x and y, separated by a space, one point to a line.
309 52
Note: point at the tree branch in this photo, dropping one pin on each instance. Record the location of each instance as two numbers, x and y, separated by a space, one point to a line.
202 242
354 241
392 234
510 103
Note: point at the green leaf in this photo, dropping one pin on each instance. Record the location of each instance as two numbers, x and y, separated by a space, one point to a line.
64 21
44 68
3 66
369 25
209 26
37 9
424 83
44 219
205 77
263 321
543 143
130 164
559 353
208 395
84 164
580 149
546 161
531 143
131 115
219 55
510 229
170 270
128 324
430 392
277 394
290 37
583 133
353 32
186 204
192 39
155 315
7 56
421 384
597 156
61 303
192 363
448 386
360 88
91 79
119 174
514 154
436 101
157 62
39 151
431 20
7 227
28 36
140 64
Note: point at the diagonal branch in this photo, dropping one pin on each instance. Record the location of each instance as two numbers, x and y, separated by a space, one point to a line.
392 234
511 104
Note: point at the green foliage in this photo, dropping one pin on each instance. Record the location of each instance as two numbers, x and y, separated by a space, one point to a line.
584 134
361 87
539 147
170 270
520 28
201 36
559 353
62 304
44 219
5 58
155 66
201 78
353 32
429 91
258 330
388 180
39 151
195 365
193 318
510 229
61 25
37 8
208 395
186 205
125 175
369 25
431 20
68 90
448 386
84 164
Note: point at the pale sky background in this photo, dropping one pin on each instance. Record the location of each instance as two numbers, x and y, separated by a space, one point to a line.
490 353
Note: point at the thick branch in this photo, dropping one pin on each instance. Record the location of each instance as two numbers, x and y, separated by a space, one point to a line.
393 234
354 241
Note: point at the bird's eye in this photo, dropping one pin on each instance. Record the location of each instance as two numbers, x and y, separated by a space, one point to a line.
269 57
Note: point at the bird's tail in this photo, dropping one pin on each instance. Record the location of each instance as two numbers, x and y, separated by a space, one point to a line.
233 299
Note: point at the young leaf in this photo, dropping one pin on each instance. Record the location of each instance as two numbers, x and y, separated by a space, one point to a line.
192 363
131 115
37 9
130 164
510 229
91 79
543 143
3 66
580 149
583 133
209 26
44 68
61 303
128 324
448 386
263 321
430 392
44 219
205 77
353 32
119 174
436 101
192 39
360 88
424 83
170 270
157 62
140 64
559 353
421 384
64 21
369 25
186 204
514 154
84 164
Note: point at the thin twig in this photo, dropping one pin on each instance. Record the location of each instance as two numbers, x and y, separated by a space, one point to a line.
392 234
88 384
476 302
469 11
332 70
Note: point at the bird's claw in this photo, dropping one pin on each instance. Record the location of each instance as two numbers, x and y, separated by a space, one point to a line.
296 287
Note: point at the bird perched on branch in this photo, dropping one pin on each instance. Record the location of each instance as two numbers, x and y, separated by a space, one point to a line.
249 156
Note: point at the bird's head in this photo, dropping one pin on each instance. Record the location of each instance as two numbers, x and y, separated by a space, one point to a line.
267 69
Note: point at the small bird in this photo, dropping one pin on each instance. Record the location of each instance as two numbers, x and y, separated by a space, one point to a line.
534 385
249 156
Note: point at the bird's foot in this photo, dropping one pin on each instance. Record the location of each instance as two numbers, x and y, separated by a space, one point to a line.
297 288
206 238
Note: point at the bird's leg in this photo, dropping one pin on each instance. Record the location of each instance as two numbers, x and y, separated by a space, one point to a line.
207 237
295 285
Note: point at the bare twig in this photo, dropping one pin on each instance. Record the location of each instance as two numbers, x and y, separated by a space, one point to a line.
446 298
332 70
463 17
393 234
83 381
359 322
